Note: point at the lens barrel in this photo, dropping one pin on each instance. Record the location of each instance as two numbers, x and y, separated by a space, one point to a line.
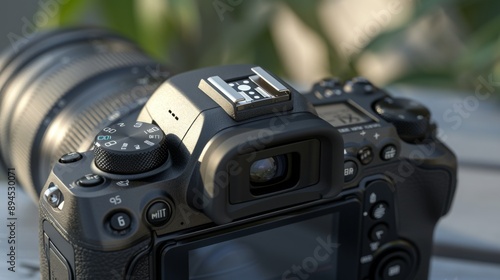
60 88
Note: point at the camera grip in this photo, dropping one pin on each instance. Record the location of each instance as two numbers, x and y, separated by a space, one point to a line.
133 262
423 194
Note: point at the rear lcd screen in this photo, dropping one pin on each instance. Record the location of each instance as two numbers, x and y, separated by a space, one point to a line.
342 114
304 250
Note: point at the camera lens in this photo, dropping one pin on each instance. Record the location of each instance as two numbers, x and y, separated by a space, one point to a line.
267 170
59 88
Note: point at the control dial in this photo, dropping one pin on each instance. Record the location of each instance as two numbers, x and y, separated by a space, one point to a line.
130 148
411 119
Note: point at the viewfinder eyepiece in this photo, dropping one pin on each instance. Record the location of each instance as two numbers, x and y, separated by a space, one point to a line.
266 170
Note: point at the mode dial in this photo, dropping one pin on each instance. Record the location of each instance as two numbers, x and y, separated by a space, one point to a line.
130 148
411 119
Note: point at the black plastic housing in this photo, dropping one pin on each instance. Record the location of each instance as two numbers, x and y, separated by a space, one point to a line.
414 188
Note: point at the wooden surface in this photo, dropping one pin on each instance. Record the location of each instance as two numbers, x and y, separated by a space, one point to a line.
471 230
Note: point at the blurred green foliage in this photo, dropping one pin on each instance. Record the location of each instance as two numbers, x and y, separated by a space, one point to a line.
188 34
476 25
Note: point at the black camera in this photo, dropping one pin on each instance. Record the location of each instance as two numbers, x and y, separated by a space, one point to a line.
228 172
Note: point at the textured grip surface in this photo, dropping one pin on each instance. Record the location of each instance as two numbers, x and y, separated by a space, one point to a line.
93 264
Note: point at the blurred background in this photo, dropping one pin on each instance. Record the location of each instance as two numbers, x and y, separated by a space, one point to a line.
444 53
445 43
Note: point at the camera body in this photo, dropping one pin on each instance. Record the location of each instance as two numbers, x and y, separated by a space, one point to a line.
230 173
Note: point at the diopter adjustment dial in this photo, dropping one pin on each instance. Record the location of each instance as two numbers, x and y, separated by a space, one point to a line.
130 148
411 119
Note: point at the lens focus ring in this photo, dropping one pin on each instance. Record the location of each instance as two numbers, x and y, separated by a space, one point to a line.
60 89
53 88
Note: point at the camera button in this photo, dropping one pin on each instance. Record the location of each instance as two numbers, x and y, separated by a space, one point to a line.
54 196
389 152
70 157
90 180
330 83
120 221
395 261
158 213
395 269
350 170
379 210
359 83
379 232
365 155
